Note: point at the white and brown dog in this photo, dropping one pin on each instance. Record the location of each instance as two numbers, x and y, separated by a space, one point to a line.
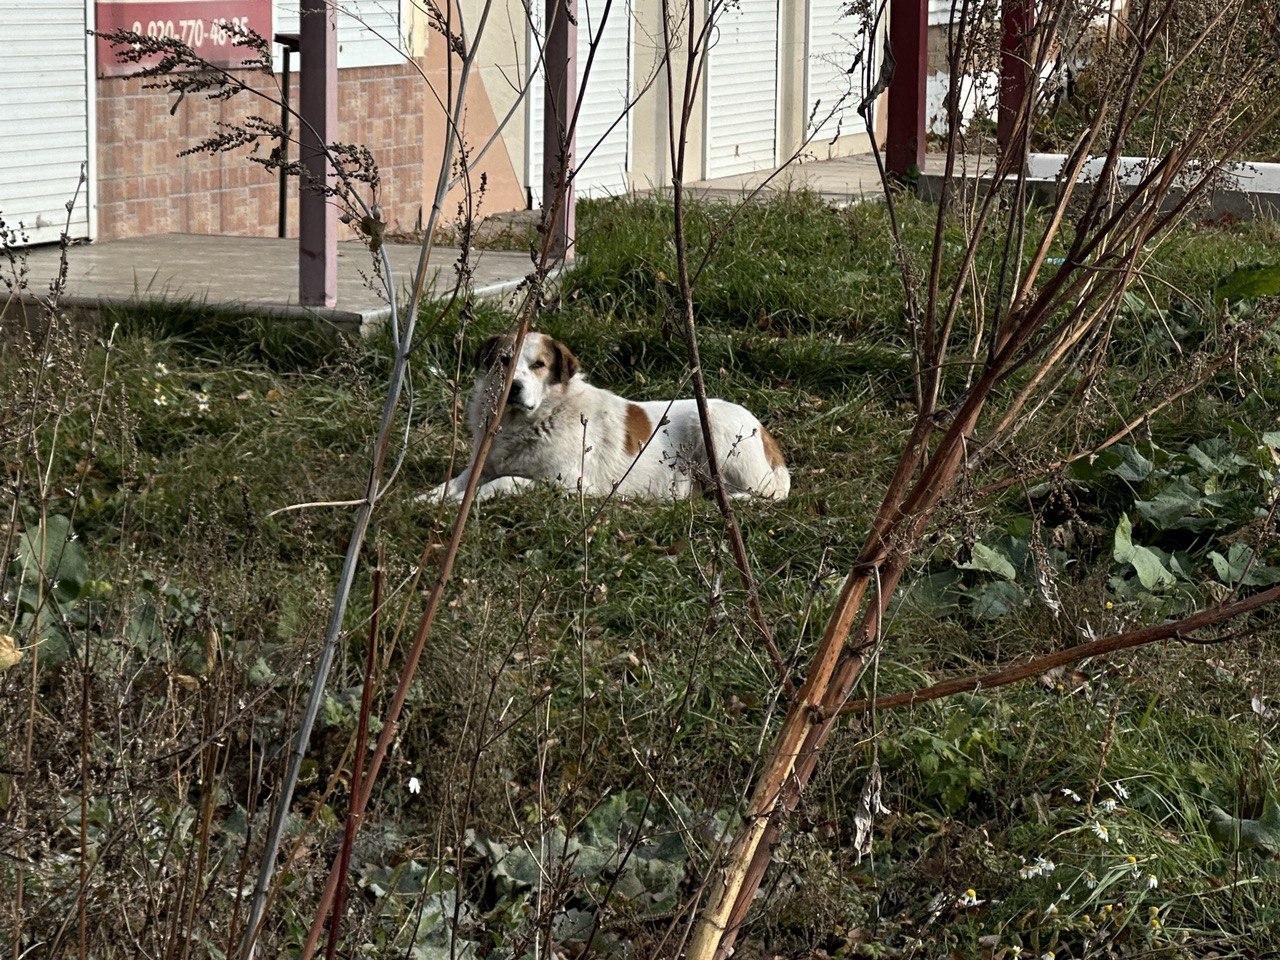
559 429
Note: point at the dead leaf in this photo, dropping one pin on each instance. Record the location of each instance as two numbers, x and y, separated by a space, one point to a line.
10 655
1067 681
869 805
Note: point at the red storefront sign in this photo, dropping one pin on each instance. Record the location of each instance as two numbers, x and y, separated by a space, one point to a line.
209 27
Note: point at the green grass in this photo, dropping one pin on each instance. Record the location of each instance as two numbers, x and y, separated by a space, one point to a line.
620 678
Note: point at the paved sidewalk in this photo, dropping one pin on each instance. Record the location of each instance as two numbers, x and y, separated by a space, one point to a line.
839 180
253 273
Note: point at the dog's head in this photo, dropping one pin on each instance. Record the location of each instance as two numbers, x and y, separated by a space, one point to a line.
543 365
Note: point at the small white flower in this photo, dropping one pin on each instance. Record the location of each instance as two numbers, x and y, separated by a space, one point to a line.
415 785
1108 806
202 402
1040 868
1119 790
161 370
1068 792
1048 955
970 899
1152 881
1099 831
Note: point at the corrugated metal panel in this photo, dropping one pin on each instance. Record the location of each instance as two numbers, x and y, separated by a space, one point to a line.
603 133
834 70
742 89
369 33
44 116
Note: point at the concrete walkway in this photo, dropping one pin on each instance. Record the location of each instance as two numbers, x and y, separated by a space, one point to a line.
258 274
840 180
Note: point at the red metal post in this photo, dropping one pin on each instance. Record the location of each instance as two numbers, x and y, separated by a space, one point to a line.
558 143
909 43
1017 20
318 109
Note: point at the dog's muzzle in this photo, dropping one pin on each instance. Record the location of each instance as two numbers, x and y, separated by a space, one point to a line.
516 397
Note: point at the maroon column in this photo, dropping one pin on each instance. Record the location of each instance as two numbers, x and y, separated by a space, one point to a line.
318 109
558 143
1017 19
908 40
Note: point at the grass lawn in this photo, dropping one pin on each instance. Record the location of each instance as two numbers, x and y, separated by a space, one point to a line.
592 674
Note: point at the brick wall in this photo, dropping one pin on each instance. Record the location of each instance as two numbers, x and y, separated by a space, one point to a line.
145 187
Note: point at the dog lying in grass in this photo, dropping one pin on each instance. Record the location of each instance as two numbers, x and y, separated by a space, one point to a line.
557 428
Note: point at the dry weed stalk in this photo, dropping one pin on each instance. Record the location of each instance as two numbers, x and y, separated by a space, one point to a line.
1038 324
1028 331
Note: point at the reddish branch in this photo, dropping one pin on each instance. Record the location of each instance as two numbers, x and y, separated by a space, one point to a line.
1171 630
357 772
1110 235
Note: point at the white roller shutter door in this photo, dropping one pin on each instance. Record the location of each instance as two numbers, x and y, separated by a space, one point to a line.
45 116
370 32
940 12
604 122
835 85
742 89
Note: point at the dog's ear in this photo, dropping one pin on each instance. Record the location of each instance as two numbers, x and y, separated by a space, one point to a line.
563 363
489 352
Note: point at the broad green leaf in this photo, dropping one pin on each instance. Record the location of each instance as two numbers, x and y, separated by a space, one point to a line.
1239 567
1151 571
1178 505
990 560
1202 459
1236 833
55 553
1249 283
1133 466
995 599
1094 468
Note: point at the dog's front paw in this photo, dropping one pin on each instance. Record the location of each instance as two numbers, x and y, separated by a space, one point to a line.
441 494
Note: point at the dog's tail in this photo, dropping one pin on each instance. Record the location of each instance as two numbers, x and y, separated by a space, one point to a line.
780 476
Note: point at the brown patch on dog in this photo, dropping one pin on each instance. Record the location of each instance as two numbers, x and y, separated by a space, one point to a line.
559 359
638 430
772 452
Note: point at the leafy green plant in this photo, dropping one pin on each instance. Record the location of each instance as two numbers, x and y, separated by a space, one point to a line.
59 600
624 847
53 582
953 762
